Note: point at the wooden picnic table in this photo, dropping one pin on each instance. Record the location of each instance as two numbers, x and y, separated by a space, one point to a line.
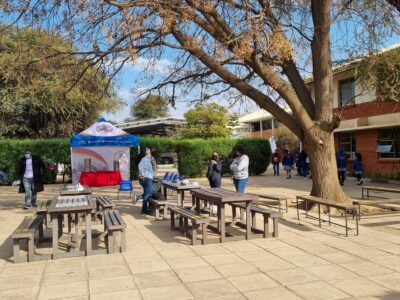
221 197
71 190
377 189
180 190
68 205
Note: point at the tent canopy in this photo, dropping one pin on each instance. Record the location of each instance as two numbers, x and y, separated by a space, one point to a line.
103 133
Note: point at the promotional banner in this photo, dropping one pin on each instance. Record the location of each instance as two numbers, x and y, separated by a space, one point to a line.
102 159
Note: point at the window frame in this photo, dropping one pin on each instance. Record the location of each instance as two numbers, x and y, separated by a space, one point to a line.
352 142
353 100
394 139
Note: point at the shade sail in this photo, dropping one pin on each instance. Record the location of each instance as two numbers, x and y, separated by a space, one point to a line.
103 133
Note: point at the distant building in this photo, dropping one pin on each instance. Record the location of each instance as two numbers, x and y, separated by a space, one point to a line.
154 127
368 126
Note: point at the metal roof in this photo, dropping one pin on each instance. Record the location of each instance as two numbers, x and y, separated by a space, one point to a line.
160 127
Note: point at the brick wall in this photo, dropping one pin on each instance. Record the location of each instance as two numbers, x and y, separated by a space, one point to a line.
367 109
266 134
366 144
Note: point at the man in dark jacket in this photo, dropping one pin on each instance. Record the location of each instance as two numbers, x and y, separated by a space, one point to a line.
31 174
214 171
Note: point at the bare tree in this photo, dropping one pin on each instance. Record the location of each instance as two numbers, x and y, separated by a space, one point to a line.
260 50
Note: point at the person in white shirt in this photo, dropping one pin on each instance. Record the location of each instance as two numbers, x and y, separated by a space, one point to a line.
31 174
240 169
146 174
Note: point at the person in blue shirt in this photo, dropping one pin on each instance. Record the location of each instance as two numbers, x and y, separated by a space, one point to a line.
358 168
341 161
146 174
287 162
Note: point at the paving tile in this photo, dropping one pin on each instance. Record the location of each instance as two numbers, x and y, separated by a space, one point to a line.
169 254
391 281
186 262
66 276
318 290
330 272
9 283
197 274
118 295
222 259
240 246
228 297
20 293
177 292
238 269
210 249
270 294
359 286
148 267
287 251
213 288
273 264
149 280
339 257
291 276
104 262
62 265
252 282
116 271
254 255
63 290
99 286
25 269
141 257
366 268
269 243
307 260
391 262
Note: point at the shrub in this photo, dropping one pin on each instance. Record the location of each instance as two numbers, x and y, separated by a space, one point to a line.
193 154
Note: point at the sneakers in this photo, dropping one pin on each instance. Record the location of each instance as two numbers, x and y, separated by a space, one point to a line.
26 207
360 182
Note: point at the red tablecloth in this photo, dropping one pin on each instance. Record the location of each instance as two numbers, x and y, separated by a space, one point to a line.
100 178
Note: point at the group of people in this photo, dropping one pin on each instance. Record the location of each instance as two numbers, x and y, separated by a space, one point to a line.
301 161
341 160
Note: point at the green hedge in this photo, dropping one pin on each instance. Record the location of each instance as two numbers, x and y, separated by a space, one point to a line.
192 154
51 151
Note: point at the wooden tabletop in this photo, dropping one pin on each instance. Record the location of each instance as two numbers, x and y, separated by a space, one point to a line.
71 204
179 187
223 195
381 188
70 190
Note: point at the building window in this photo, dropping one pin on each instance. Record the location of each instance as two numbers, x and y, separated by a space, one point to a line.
347 142
256 126
389 143
347 92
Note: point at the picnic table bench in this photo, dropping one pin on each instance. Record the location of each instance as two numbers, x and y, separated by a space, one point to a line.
26 231
274 201
267 214
105 204
113 223
41 210
159 205
377 203
180 190
348 209
195 219
368 188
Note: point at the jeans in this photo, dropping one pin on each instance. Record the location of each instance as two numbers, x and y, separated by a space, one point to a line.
276 168
147 184
214 183
240 184
30 193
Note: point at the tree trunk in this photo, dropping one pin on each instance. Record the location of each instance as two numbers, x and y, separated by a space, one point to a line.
319 145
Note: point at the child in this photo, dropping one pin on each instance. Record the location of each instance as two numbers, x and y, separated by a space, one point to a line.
288 163
358 168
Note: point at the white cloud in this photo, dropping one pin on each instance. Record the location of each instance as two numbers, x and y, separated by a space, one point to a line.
151 65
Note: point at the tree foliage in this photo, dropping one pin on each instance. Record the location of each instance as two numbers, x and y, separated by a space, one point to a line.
381 72
150 107
285 139
206 120
43 94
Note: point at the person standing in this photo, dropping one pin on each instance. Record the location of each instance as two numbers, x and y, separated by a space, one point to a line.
214 169
341 161
287 162
240 169
276 159
146 174
303 164
31 174
358 168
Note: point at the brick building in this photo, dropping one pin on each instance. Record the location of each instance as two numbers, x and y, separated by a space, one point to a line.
368 126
